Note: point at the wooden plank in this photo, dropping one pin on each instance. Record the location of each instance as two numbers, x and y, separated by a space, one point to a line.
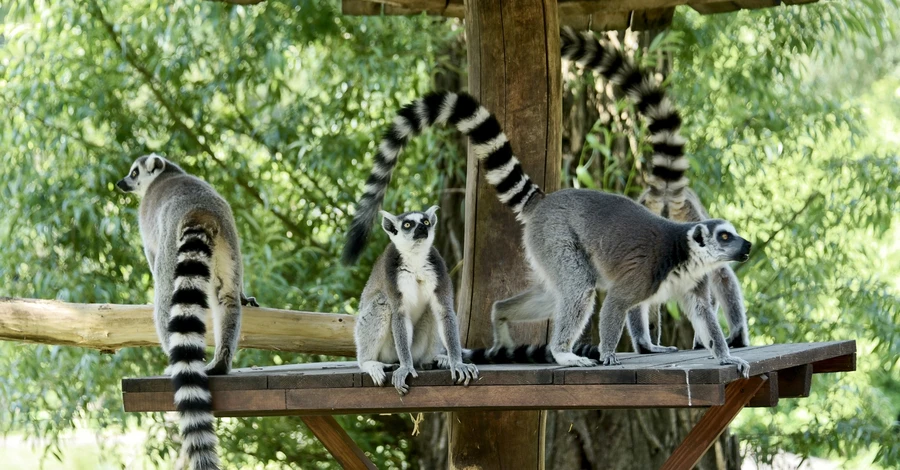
714 8
227 400
757 4
713 422
336 440
836 364
657 18
519 397
767 395
360 8
795 382
567 8
109 327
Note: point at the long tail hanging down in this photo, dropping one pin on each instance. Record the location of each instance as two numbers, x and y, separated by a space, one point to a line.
668 164
187 353
503 171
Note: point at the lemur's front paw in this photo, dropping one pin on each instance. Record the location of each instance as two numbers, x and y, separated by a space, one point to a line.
568 359
609 359
462 373
375 370
743 367
251 301
442 361
399 379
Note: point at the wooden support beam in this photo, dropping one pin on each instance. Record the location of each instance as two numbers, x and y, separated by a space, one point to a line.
713 422
715 8
109 327
795 382
336 440
846 363
514 69
767 395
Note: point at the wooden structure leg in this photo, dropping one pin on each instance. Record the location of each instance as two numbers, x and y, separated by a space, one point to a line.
514 69
336 440
713 422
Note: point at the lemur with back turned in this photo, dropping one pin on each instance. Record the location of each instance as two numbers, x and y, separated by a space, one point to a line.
407 304
668 194
191 243
576 241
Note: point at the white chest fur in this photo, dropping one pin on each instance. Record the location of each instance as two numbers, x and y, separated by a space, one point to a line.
678 282
417 285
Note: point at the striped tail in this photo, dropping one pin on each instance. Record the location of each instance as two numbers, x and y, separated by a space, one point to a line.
187 347
503 171
534 354
668 164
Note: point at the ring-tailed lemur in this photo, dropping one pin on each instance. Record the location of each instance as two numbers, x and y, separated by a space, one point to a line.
192 246
576 241
668 194
407 303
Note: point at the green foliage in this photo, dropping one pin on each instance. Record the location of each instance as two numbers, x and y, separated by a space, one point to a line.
276 105
791 115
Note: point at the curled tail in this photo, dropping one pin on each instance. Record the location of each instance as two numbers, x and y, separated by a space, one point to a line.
535 354
668 164
187 347
503 171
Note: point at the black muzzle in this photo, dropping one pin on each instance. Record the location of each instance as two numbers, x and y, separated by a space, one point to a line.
421 232
744 253
123 185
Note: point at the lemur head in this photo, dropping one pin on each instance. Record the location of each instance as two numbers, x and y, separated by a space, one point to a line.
143 171
411 231
715 242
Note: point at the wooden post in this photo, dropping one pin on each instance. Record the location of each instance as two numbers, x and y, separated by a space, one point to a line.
514 69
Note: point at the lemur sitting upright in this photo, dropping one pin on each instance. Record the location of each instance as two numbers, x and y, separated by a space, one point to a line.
407 303
192 246
576 241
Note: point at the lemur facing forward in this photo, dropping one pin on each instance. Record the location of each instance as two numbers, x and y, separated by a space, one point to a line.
406 304
576 241
192 246
668 194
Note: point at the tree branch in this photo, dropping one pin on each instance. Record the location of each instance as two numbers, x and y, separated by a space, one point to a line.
762 246
150 81
109 327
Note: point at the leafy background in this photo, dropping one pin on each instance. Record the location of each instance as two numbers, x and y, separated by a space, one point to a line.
792 119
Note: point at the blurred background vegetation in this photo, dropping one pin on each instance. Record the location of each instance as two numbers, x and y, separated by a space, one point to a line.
793 121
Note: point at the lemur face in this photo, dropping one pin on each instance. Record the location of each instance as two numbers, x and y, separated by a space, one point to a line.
717 242
411 230
143 171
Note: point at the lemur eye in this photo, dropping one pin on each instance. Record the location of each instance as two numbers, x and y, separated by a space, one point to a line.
407 225
724 236
426 222
134 173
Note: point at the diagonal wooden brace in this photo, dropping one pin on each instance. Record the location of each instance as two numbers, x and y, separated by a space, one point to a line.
336 440
713 422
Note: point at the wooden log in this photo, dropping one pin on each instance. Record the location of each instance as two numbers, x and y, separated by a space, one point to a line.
109 327
514 69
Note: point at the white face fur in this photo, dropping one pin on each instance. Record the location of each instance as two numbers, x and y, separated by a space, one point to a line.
716 242
412 232
143 171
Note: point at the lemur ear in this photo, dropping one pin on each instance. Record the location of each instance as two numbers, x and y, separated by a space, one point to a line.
154 163
699 233
389 222
432 216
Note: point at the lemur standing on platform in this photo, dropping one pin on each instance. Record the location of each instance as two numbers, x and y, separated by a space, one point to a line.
668 194
576 241
191 244
407 303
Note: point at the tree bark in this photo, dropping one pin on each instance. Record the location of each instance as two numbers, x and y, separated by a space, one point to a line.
513 51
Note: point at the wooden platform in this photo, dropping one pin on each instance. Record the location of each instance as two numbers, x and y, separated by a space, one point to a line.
683 379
